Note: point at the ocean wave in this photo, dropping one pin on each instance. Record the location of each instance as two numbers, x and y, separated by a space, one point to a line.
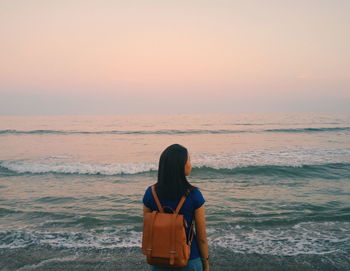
42 263
303 238
290 161
322 171
309 129
327 170
99 239
77 168
6 211
174 132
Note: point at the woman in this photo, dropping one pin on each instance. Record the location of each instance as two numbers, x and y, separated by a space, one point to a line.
174 166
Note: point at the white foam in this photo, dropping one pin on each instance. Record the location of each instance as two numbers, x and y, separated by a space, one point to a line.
289 156
77 167
107 238
44 262
303 238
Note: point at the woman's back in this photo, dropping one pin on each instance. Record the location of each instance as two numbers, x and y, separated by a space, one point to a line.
193 201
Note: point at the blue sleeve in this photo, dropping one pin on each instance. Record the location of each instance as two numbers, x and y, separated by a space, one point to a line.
147 197
198 198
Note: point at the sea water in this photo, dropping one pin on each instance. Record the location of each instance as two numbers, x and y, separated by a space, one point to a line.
277 188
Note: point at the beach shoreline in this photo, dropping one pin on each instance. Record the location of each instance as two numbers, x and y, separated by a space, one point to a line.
48 258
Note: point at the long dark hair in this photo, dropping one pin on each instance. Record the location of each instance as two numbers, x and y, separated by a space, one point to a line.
172 182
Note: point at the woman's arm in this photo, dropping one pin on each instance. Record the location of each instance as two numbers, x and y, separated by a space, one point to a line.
202 235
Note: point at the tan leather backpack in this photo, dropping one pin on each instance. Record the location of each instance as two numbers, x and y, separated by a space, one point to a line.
164 239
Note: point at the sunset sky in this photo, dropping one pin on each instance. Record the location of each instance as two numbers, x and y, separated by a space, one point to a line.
135 57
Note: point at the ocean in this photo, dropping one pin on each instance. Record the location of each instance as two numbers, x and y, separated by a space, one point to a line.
277 188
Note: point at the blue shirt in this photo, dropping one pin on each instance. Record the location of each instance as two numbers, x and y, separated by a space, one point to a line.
193 201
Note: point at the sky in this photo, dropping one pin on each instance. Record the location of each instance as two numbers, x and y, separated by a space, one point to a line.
165 57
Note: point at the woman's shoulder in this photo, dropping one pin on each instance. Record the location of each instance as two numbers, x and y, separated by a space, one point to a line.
148 191
147 197
197 196
195 190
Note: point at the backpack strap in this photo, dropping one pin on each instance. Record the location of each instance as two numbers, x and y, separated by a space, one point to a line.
181 202
160 208
191 233
154 193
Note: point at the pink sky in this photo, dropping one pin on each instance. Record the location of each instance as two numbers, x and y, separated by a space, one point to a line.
150 56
